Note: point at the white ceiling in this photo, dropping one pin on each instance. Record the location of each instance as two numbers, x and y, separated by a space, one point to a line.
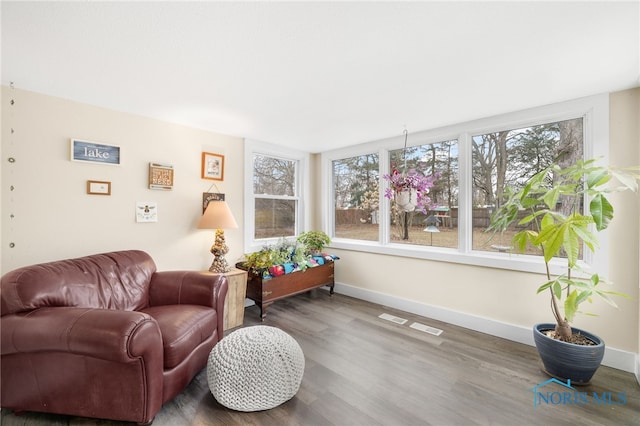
320 75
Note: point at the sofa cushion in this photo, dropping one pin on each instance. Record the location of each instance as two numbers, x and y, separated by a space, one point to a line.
117 280
183 328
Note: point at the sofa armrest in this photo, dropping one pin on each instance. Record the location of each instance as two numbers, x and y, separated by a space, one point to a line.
187 288
190 288
119 336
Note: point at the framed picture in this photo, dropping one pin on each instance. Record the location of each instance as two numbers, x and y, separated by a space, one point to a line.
96 187
93 152
212 166
160 176
210 196
146 211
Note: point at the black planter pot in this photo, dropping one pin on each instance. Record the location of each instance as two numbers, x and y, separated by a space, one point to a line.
564 360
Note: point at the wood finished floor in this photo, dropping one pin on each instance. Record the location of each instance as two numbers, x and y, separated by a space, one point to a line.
362 370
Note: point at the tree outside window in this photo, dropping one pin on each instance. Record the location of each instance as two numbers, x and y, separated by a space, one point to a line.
275 195
356 197
510 158
440 159
499 159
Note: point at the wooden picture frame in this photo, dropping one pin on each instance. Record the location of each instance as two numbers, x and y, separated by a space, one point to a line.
98 187
93 152
212 166
160 176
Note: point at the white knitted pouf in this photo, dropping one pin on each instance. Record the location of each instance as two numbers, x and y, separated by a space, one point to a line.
255 368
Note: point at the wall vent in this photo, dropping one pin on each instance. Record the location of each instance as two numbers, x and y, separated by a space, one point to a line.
392 318
426 328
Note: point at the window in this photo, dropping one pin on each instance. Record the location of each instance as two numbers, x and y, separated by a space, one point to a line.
273 202
356 190
438 226
274 190
510 158
474 162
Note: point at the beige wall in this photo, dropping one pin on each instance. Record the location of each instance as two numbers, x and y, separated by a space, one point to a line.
625 130
510 297
625 229
54 218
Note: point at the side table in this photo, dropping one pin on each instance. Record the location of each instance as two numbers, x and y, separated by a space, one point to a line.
234 302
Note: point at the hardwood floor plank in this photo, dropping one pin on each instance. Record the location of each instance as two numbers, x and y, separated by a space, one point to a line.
363 370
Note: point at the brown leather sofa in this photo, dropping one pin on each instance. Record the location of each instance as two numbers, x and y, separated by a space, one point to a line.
105 336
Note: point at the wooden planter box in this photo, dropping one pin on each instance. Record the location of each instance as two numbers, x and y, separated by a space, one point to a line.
265 292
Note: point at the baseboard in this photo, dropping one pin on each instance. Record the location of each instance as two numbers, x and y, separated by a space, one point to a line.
616 358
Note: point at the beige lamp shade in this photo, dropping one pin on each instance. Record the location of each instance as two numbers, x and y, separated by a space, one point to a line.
217 216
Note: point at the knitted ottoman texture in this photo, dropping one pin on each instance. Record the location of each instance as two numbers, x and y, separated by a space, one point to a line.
255 368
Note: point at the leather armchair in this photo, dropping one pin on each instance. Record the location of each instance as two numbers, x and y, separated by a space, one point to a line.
105 336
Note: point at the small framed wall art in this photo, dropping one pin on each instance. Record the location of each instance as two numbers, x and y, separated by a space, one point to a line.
212 166
93 152
96 187
146 211
160 176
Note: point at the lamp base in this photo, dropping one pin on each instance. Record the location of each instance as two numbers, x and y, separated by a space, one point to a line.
219 249
219 265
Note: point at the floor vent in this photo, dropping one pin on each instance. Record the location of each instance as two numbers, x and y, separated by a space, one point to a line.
392 318
426 328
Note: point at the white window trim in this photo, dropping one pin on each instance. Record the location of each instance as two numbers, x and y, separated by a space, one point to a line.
253 147
594 110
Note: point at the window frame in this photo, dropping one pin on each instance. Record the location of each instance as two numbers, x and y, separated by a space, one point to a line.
301 188
595 112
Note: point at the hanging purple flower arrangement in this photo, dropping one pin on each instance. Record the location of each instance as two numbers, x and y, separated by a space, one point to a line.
410 189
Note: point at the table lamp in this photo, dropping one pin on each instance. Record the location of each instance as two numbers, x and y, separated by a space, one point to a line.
218 216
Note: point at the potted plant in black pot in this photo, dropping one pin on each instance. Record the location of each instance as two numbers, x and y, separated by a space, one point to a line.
559 222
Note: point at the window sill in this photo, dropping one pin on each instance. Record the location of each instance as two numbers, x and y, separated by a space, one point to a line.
513 262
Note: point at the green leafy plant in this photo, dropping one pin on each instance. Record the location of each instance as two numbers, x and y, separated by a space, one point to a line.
285 251
260 259
314 241
563 232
